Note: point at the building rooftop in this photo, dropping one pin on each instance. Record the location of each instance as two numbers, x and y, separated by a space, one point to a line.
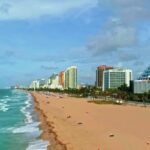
118 69
71 67
103 67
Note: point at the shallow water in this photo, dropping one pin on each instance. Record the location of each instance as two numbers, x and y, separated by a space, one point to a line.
19 126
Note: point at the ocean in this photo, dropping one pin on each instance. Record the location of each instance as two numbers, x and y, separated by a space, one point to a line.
19 124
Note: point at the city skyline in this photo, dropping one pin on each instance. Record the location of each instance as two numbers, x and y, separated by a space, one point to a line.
85 33
67 79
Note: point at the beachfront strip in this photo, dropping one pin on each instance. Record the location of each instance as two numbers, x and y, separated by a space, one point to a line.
71 123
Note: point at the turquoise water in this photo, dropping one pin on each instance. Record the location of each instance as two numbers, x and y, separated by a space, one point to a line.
19 126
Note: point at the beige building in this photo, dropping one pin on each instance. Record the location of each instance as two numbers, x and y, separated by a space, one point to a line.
71 78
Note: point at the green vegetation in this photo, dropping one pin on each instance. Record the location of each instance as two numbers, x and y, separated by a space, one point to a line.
122 93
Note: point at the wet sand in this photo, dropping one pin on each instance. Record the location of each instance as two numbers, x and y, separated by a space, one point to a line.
74 124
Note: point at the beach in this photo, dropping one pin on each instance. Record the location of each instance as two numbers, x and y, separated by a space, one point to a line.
71 123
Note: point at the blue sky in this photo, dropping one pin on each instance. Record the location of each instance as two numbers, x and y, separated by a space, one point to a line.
39 37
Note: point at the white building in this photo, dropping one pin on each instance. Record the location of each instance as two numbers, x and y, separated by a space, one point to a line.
36 84
54 82
140 86
114 78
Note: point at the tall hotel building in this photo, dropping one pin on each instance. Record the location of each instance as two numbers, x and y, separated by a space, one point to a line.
99 74
62 79
71 78
114 78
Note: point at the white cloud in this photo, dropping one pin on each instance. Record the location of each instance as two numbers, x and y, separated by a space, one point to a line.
128 57
27 9
113 39
121 30
122 3
128 10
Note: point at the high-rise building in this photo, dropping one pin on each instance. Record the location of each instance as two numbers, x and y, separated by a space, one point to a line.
36 84
114 78
62 79
145 75
99 74
54 81
33 84
71 78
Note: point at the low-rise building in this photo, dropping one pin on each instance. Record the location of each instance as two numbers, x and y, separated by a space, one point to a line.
140 86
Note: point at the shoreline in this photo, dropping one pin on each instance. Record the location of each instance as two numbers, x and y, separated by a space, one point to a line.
70 123
48 133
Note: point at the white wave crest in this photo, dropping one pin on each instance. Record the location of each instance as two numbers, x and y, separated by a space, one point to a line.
27 113
29 128
38 145
4 107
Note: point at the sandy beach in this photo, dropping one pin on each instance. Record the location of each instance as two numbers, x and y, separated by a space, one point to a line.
74 124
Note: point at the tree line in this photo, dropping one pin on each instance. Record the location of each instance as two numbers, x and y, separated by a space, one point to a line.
123 92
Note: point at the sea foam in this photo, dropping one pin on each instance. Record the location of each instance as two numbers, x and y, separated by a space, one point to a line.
38 145
29 128
4 107
26 108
